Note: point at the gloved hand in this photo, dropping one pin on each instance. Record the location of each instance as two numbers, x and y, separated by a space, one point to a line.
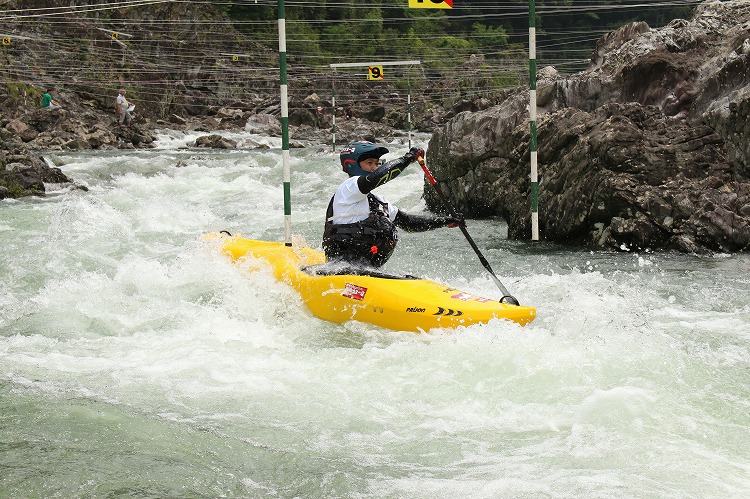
413 154
457 221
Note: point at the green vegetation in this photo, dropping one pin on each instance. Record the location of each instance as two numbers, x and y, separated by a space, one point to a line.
329 32
19 90
14 188
472 50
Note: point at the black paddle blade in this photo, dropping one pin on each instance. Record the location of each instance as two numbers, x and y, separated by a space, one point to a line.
509 299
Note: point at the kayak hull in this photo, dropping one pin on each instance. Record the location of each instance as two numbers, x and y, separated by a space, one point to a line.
402 303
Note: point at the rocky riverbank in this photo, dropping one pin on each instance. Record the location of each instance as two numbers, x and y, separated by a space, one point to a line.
174 84
27 137
647 149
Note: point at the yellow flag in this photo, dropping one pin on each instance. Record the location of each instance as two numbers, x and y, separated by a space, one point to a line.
430 4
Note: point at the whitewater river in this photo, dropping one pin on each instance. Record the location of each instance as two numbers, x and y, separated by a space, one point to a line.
137 361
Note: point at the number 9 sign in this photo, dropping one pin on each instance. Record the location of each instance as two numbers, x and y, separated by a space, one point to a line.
375 73
430 4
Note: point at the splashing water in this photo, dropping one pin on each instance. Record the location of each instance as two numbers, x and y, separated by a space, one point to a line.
135 360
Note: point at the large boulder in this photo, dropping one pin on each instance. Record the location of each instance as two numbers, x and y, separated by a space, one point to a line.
215 141
24 174
647 148
626 176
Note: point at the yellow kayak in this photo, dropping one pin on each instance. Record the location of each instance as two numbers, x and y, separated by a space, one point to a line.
402 303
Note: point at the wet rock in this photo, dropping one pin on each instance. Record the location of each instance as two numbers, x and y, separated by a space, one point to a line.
215 141
24 174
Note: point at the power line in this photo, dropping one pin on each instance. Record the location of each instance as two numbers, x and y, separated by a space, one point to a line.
164 55
47 11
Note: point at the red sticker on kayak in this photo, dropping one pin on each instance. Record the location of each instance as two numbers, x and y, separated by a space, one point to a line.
355 292
469 297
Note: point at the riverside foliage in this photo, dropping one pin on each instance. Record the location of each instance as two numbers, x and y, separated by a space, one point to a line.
324 32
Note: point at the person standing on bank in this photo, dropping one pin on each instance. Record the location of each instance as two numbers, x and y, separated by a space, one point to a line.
48 102
360 226
123 108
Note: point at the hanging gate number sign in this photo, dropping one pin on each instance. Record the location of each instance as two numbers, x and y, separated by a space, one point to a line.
430 4
375 73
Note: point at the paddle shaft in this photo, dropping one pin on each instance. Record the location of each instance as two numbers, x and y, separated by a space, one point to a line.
462 226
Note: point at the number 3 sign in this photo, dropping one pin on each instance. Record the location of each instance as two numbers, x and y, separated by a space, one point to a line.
430 4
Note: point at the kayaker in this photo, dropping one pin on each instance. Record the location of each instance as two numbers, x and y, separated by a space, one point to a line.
360 226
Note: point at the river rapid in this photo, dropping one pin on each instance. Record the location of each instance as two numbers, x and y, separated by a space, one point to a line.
137 361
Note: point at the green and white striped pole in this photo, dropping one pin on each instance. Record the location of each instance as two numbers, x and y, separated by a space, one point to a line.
285 127
333 112
532 123
408 110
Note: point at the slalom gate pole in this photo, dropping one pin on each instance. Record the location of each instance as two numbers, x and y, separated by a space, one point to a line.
507 297
408 110
534 176
285 127
333 112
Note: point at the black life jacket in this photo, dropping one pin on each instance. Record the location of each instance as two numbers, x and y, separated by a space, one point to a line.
368 242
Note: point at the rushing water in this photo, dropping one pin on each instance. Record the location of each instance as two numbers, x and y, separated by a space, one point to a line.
137 361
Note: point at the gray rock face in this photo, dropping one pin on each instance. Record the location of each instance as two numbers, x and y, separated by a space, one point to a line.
647 148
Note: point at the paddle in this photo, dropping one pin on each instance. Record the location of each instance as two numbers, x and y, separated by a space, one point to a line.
507 297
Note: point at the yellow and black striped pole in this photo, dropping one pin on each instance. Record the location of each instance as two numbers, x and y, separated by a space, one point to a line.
285 127
532 123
